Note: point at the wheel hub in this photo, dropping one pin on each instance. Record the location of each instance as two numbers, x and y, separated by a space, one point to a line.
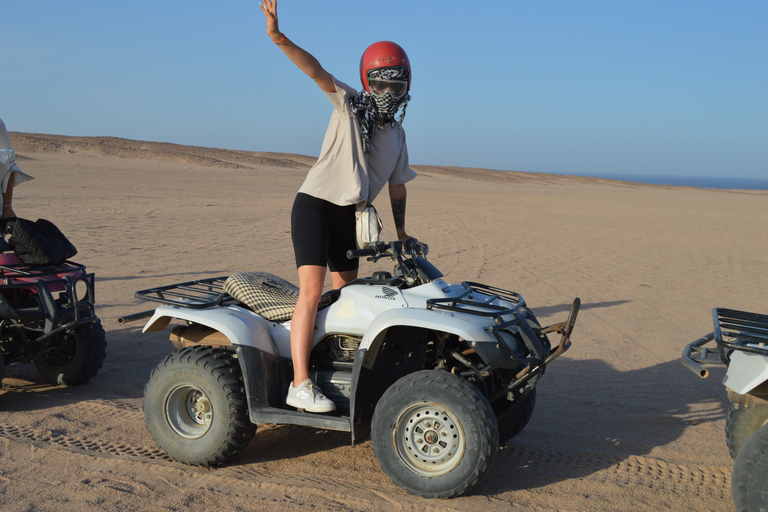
188 411
202 406
429 439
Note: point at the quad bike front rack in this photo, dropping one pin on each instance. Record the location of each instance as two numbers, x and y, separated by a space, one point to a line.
69 279
468 304
531 336
533 370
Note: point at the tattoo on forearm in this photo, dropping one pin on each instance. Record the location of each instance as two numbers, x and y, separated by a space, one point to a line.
398 211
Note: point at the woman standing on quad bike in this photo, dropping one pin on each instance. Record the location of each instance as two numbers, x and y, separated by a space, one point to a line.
364 149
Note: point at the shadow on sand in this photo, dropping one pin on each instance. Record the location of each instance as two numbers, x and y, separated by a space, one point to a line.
604 419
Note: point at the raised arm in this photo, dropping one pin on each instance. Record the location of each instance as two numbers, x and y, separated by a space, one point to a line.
303 59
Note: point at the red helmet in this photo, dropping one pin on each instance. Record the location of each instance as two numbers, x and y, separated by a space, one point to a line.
384 54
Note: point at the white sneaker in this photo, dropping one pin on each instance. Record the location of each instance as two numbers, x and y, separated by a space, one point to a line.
309 397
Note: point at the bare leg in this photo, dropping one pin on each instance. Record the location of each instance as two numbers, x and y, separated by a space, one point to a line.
342 278
311 280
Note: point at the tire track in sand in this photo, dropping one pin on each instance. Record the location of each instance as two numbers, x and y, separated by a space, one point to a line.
558 465
77 444
632 470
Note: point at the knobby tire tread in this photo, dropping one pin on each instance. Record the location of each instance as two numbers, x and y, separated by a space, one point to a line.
749 480
741 422
89 358
476 402
224 369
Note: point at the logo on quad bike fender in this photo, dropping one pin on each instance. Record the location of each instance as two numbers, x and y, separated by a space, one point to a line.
347 310
389 294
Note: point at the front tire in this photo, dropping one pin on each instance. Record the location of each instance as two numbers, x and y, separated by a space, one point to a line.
77 356
749 480
434 434
195 406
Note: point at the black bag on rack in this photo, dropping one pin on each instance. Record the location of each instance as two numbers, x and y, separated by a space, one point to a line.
37 243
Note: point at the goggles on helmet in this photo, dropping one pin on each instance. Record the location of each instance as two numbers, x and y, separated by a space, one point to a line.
379 87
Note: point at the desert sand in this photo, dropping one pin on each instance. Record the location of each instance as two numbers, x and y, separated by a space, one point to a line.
620 424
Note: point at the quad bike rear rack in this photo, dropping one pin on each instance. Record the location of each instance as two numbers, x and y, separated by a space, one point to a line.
739 330
11 274
734 330
197 294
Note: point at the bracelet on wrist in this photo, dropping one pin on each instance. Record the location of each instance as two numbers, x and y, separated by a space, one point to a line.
282 41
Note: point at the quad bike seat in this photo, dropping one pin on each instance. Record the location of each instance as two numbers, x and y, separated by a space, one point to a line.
268 295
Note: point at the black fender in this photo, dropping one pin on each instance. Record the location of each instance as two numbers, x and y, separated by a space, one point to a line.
264 393
260 378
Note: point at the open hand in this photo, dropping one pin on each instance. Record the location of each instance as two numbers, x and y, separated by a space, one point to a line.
269 8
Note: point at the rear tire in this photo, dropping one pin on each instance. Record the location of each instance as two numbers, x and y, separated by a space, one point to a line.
741 423
78 356
434 434
749 480
195 406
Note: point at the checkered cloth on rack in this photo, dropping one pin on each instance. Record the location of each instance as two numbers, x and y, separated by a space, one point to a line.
267 295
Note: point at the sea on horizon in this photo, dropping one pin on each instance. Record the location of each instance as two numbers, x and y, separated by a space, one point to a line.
688 181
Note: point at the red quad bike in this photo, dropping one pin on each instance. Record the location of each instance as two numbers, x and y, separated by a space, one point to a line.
47 317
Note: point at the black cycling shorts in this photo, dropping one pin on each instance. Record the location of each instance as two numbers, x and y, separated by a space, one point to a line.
322 233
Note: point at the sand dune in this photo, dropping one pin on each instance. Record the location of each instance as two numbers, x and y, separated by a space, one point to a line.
620 425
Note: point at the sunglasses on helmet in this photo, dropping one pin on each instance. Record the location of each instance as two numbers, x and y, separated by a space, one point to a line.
379 87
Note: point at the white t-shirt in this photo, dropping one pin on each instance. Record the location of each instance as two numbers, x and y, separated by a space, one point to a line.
343 174
8 168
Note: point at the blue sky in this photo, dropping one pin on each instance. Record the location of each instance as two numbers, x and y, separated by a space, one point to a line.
591 87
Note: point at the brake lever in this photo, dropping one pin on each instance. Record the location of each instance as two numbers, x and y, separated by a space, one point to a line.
387 254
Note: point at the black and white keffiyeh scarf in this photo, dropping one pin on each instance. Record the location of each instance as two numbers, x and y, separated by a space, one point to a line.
375 111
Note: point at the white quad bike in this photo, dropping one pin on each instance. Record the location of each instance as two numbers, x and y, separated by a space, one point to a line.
439 375
740 340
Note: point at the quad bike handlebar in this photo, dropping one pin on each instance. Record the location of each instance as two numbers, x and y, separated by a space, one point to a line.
391 250
410 257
